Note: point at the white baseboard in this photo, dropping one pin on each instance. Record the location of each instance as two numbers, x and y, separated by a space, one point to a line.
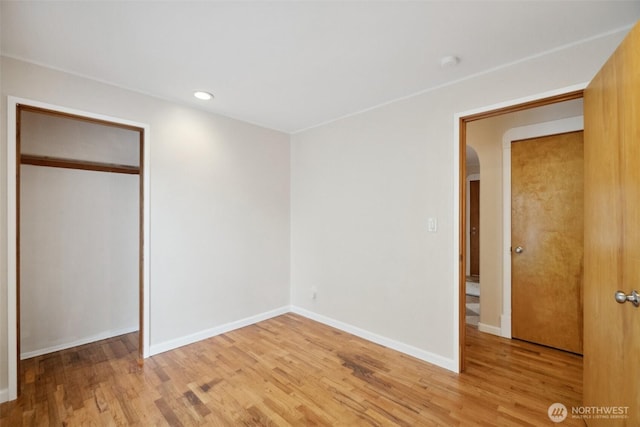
490 329
81 341
423 355
505 326
212 332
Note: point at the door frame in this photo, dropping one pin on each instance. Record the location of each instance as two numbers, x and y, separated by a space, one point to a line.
460 203
12 221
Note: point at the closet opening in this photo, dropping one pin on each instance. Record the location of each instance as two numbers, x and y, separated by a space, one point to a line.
80 232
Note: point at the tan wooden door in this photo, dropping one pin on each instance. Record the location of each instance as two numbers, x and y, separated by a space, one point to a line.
612 235
547 224
474 228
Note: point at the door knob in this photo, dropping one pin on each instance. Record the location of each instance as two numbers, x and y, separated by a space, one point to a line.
633 297
519 249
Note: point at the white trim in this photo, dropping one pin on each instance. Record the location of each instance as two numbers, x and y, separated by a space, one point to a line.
423 355
82 341
489 329
12 332
456 349
505 320
12 103
571 124
456 200
146 243
505 317
218 330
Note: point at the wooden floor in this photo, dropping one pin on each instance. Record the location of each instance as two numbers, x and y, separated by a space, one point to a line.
292 371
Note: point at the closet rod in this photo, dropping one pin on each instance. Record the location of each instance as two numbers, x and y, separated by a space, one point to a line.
54 162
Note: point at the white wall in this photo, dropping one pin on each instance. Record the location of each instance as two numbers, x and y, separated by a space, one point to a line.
364 186
79 236
219 211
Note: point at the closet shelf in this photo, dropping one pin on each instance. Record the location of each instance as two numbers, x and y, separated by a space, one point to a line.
54 162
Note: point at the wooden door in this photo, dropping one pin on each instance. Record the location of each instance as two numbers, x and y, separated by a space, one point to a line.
474 228
612 235
547 224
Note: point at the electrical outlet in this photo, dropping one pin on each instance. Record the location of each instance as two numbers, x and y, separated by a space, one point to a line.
314 292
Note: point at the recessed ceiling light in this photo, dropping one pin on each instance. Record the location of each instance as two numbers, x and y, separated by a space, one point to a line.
449 61
205 96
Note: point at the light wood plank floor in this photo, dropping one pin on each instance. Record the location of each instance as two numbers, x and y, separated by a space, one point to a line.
292 371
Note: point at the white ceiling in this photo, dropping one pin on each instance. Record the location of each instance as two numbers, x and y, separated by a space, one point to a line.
293 65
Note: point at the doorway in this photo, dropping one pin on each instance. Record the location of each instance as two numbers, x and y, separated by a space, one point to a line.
472 284
474 227
16 108
463 120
